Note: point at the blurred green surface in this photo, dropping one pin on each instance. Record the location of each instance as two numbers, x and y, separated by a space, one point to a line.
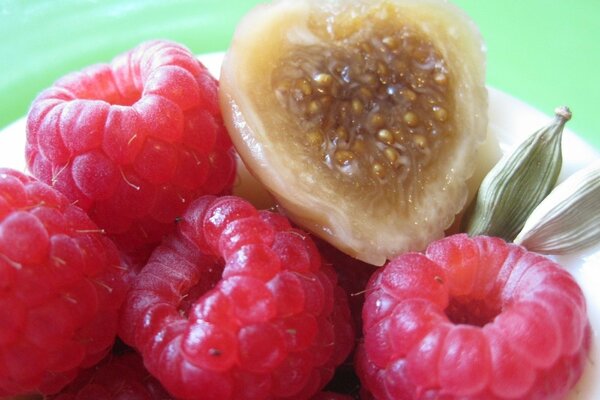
545 52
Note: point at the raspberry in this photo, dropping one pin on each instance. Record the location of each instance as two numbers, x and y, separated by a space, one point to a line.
473 318
61 286
133 141
120 377
237 304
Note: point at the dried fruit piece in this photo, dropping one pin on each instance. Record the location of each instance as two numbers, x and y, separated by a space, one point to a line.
237 304
133 141
61 286
362 118
473 318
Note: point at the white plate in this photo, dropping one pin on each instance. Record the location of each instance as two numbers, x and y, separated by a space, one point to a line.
511 121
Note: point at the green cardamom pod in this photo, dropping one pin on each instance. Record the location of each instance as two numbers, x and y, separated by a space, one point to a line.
518 183
568 219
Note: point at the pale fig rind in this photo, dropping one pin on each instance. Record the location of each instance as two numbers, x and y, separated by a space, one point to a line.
349 211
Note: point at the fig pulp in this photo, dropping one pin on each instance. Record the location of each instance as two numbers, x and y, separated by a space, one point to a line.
362 118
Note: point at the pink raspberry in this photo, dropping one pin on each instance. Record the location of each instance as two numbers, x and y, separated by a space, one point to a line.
121 377
61 286
238 305
473 318
133 142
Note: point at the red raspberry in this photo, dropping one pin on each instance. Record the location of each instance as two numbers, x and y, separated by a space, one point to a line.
473 318
238 305
133 141
61 285
121 377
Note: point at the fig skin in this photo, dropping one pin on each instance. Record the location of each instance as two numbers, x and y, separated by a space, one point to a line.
365 223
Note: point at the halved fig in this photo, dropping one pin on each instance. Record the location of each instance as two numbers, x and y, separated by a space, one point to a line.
361 117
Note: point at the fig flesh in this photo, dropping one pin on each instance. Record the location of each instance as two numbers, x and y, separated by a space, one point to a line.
362 118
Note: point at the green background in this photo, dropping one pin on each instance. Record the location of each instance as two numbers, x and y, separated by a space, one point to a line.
545 52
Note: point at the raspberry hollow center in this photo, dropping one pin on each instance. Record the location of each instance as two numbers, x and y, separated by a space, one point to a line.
113 83
469 311
206 281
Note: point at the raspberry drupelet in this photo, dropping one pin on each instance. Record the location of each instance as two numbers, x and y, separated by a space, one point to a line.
237 304
473 318
133 142
61 286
